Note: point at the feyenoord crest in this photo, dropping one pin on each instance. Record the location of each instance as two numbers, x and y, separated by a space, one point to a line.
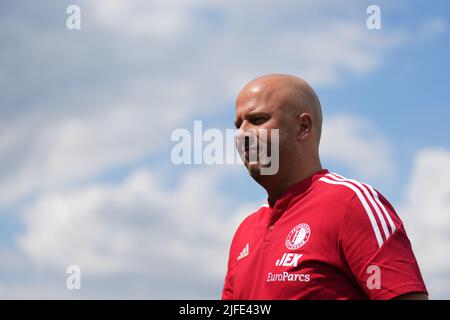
298 236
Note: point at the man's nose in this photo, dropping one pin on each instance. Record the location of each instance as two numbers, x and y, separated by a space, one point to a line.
246 138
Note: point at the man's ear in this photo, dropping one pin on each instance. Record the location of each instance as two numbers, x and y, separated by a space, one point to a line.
304 126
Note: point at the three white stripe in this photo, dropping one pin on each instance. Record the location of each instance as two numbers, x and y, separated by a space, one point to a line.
333 178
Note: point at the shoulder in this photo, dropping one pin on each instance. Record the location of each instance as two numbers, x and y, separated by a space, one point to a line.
334 193
366 209
253 218
347 190
353 195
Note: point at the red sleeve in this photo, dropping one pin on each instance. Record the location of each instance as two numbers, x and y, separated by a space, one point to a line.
228 292
376 249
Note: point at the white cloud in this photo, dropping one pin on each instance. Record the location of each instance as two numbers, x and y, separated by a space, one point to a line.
133 60
137 229
354 142
80 146
426 216
154 20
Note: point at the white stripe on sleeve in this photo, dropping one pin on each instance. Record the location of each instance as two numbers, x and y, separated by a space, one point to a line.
363 202
370 198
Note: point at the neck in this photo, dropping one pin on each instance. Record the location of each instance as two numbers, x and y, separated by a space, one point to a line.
282 182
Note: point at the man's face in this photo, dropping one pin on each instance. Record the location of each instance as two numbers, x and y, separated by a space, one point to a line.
256 117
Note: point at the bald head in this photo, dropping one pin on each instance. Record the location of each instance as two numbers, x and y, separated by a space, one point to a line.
290 94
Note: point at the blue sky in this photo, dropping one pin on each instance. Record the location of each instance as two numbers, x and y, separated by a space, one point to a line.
86 117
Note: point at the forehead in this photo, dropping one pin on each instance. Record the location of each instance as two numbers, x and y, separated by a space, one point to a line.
252 98
249 106
255 100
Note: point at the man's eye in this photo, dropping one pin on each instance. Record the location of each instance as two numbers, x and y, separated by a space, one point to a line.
259 120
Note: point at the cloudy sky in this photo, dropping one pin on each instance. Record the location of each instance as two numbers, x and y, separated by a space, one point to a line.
86 118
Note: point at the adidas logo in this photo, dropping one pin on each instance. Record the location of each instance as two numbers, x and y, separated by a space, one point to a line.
244 252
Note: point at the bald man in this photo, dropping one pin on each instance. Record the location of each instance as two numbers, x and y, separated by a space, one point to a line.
320 236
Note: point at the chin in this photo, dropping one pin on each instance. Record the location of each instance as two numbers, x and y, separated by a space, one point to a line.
255 172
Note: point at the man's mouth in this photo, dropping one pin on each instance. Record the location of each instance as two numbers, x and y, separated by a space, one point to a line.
251 155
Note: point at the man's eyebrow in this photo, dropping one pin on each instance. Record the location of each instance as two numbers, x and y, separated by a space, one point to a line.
252 114
257 113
